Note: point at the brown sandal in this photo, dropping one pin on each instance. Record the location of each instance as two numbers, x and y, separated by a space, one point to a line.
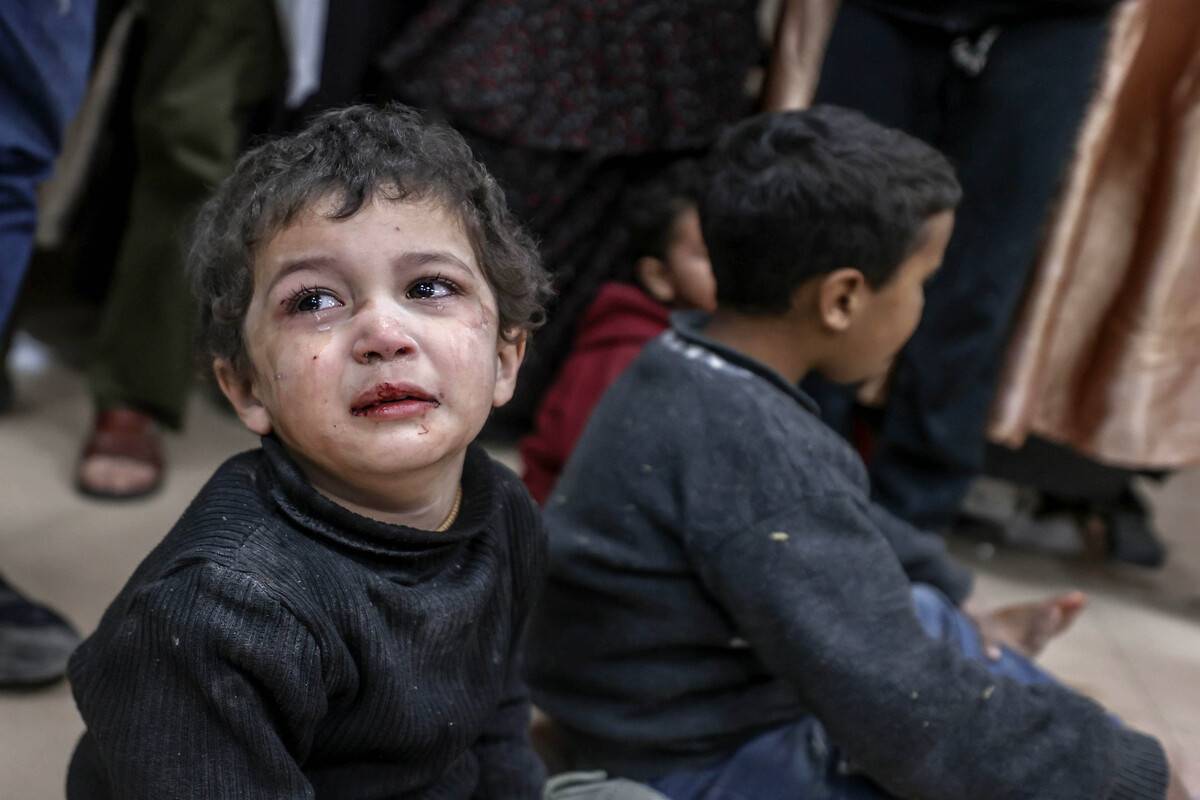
125 434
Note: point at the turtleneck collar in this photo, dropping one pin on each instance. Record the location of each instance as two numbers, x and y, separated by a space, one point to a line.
307 508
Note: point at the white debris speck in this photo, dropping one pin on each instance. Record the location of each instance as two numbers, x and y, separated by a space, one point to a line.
987 693
779 536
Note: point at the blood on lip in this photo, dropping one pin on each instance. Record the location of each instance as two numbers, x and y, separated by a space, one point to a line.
390 393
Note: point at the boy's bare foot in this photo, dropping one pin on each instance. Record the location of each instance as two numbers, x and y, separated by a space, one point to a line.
1028 627
122 457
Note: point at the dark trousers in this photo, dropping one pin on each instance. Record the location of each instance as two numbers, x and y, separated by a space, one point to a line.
45 51
207 65
1010 131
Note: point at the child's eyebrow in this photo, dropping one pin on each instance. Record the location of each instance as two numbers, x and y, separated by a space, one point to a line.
409 260
421 258
303 263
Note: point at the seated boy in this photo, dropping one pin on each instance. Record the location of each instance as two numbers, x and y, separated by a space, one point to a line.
670 269
728 615
336 613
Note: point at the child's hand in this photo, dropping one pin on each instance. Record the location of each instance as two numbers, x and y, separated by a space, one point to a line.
1027 627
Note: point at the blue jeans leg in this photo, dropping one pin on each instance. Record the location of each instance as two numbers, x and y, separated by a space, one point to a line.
45 53
942 620
794 762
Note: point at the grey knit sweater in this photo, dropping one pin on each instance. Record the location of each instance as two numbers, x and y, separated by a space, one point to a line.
718 569
278 645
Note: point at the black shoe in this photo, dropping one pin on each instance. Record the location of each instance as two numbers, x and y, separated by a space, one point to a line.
35 642
1131 534
6 390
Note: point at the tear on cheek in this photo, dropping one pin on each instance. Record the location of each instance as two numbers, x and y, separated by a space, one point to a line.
486 317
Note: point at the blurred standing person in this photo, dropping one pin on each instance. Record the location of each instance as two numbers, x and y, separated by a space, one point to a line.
569 104
1001 86
207 66
45 54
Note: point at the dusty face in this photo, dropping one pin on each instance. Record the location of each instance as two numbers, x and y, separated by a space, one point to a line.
373 345
688 264
889 314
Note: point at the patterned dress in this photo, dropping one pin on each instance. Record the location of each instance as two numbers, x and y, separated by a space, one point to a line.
571 103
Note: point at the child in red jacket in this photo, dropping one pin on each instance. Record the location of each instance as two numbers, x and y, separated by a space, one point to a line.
671 270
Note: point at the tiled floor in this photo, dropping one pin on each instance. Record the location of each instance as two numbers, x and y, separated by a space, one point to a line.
1137 647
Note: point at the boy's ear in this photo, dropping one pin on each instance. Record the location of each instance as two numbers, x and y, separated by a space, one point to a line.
239 390
655 277
840 298
509 355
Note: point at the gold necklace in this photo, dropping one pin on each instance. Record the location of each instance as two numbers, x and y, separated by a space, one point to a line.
453 515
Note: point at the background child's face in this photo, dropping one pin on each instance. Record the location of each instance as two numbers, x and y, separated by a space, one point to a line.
887 316
683 278
373 342
689 264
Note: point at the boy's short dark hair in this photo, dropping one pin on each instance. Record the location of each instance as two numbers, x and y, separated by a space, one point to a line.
352 155
797 194
655 205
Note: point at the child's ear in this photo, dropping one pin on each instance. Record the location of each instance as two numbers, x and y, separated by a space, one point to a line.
840 297
509 355
655 277
239 390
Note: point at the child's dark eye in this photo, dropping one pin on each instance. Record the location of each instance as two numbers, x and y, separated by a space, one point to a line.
432 289
308 301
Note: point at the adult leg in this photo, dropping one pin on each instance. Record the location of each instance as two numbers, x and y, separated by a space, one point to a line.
207 64
890 71
1010 131
45 51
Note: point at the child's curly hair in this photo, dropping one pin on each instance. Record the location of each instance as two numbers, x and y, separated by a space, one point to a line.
353 155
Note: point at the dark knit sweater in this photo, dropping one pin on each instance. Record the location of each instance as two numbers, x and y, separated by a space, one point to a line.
278 645
718 569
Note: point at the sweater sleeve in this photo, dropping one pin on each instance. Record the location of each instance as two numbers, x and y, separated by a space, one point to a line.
819 595
508 766
923 555
204 687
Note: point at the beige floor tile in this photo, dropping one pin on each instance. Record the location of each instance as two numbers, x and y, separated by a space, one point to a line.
1187 758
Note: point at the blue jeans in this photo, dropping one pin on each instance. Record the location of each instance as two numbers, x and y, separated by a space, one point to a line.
798 762
45 53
